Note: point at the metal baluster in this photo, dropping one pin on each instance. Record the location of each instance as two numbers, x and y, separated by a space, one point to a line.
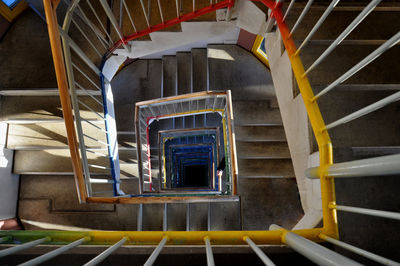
210 257
86 76
129 15
140 218
12 250
96 30
54 253
301 17
177 8
121 10
145 13
371 57
86 38
314 252
194 5
318 24
187 216
156 252
98 19
161 13
259 252
359 251
288 9
90 109
378 213
99 141
106 253
113 21
366 110
368 9
89 94
90 123
165 217
378 166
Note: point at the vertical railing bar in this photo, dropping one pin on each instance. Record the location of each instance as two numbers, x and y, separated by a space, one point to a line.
188 217
97 153
316 253
80 53
368 9
371 212
366 110
209 217
90 109
94 139
8 251
53 253
288 9
96 30
86 76
301 17
165 217
360 65
140 218
194 5
89 94
177 8
121 10
90 123
129 15
98 19
149 10
259 252
156 252
86 37
145 13
318 24
359 251
160 9
113 21
106 253
209 253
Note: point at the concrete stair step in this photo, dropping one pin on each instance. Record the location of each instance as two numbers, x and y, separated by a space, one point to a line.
255 112
262 149
53 161
373 27
199 69
44 107
198 216
260 134
169 76
265 167
153 217
176 218
344 57
358 133
269 193
232 67
51 135
368 152
225 216
184 69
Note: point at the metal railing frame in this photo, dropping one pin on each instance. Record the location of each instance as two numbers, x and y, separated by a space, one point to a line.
276 235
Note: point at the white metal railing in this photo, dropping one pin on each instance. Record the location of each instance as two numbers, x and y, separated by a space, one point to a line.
378 166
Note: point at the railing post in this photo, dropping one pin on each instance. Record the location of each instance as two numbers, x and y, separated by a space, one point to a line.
314 252
59 65
114 22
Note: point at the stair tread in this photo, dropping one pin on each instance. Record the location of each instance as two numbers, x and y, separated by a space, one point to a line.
184 74
169 73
